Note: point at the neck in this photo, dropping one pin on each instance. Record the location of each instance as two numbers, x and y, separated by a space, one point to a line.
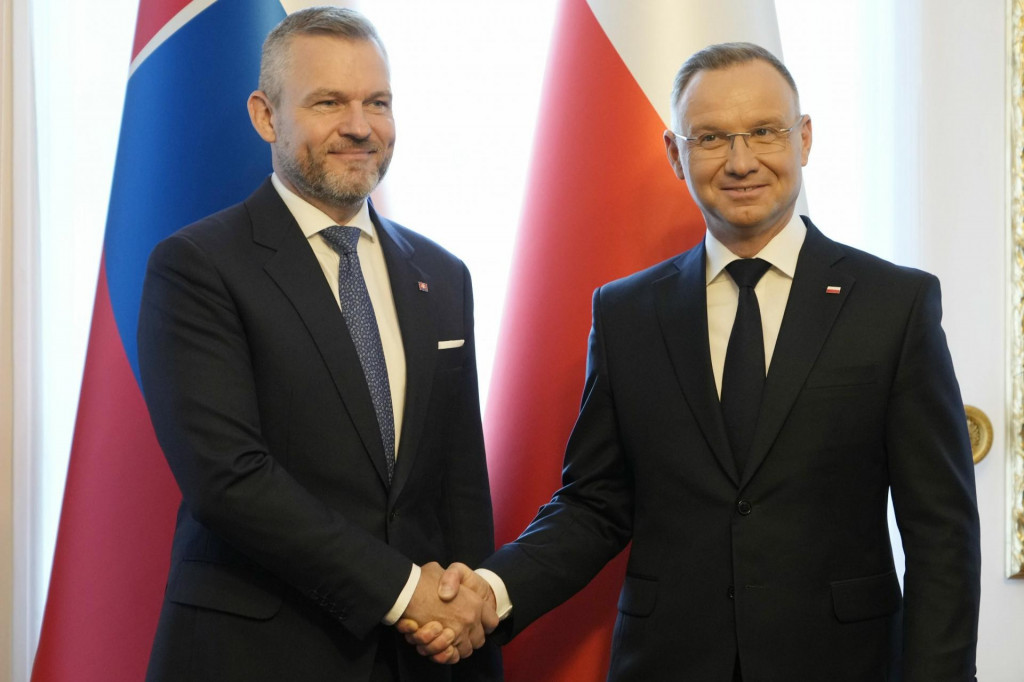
339 212
746 242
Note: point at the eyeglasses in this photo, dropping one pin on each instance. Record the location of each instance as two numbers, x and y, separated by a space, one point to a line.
717 144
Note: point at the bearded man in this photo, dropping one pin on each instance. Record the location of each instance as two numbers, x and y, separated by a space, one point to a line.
309 367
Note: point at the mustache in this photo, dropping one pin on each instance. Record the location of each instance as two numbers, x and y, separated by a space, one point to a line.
354 147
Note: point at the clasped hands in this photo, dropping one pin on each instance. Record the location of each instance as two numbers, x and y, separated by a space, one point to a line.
450 614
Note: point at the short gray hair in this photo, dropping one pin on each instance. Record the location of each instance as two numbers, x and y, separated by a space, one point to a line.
721 56
339 22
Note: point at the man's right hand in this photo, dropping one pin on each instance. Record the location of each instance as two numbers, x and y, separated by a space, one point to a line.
455 621
436 638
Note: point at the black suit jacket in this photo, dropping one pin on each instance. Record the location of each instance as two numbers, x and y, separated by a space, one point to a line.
788 567
290 546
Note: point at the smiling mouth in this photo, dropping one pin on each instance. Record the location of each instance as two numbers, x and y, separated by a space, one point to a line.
354 151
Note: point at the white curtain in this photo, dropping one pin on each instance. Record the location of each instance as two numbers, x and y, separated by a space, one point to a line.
18 313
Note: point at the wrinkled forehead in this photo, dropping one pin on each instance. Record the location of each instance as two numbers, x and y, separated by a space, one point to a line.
746 94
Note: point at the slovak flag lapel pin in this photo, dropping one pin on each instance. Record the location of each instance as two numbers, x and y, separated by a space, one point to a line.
833 289
423 286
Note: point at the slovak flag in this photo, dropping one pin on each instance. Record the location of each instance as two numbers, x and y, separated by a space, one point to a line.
601 202
186 150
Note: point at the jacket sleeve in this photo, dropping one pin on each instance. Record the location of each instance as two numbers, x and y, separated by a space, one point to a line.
932 482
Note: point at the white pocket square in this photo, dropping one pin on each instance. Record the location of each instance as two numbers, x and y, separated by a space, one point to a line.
454 343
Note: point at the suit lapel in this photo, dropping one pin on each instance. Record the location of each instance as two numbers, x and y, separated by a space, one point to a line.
810 313
681 300
415 307
295 269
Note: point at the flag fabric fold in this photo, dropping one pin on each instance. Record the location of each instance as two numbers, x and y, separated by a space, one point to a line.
602 202
186 149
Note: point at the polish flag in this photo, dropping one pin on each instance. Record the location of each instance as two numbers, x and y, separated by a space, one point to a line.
186 149
601 202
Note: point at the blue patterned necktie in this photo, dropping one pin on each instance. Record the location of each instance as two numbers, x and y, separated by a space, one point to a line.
357 309
744 371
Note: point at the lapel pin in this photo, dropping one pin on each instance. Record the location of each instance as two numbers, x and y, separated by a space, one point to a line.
833 290
423 286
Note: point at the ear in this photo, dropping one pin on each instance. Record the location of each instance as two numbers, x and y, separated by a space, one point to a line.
261 113
805 140
673 151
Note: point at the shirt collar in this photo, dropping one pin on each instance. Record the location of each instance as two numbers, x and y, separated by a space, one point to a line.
312 220
782 251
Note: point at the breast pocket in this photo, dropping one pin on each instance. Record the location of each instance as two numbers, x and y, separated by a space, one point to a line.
451 357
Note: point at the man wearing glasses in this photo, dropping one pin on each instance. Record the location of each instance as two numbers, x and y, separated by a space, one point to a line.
749 406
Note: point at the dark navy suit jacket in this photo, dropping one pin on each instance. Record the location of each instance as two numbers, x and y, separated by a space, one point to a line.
290 546
789 566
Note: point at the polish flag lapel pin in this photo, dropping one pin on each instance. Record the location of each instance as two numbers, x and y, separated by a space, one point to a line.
832 289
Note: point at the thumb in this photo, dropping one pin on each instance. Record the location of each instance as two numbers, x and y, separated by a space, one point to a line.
448 587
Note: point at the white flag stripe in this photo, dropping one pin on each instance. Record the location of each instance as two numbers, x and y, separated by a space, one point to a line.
654 37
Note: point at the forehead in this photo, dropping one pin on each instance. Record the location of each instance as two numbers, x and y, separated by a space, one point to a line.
335 63
739 95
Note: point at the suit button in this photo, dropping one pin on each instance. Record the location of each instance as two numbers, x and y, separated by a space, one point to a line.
393 516
731 592
744 507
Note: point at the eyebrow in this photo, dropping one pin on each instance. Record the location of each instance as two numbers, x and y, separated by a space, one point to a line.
769 122
329 93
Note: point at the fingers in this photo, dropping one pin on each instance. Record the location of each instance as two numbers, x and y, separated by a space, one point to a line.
449 656
407 626
455 621
431 639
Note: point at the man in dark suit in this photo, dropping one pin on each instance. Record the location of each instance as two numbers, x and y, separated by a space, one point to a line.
756 506
309 367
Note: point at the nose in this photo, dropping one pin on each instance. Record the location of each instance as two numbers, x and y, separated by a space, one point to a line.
353 122
740 160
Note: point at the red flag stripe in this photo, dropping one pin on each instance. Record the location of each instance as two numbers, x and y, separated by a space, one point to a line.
153 16
158 20
100 516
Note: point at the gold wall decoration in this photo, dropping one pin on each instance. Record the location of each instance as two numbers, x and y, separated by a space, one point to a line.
980 429
1015 463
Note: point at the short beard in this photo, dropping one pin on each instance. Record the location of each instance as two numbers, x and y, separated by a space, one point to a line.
311 178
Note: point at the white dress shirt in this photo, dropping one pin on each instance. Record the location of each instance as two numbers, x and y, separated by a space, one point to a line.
772 291
723 300
312 221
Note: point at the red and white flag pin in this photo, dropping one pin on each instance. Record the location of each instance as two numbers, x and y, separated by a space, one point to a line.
423 286
833 289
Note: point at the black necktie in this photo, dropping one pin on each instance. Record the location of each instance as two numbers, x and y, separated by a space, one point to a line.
357 309
744 372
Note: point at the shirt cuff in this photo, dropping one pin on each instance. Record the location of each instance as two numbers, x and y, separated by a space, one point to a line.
392 616
504 604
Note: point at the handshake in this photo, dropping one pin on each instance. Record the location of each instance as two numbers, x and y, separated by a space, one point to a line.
450 613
